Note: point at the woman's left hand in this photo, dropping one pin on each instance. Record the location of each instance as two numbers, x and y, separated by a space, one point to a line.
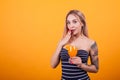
76 60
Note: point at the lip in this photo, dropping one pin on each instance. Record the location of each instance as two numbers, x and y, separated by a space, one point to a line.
72 31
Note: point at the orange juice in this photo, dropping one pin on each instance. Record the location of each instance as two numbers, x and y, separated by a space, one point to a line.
72 50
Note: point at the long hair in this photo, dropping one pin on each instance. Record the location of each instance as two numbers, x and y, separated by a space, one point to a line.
82 19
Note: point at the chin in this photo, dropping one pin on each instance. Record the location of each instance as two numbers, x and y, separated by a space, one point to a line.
74 34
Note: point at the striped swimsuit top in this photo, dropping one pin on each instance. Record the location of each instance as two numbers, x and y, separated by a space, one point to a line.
71 71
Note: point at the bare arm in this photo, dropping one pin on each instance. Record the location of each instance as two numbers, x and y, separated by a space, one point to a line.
94 60
56 56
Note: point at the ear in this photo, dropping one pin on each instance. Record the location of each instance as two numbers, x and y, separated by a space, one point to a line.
81 24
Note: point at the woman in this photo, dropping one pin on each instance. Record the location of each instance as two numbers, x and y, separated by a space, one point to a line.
75 34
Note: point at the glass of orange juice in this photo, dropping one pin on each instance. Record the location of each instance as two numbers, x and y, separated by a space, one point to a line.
72 50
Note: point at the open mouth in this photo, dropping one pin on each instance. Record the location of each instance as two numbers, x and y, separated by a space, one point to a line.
72 31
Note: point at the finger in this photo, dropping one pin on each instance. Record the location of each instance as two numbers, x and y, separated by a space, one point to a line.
69 32
73 61
68 36
73 57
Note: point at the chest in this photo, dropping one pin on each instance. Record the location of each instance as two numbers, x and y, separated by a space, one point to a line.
81 45
83 54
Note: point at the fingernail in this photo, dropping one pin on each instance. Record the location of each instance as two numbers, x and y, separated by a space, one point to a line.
71 62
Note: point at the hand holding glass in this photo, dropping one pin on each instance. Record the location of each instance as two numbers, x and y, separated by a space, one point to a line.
72 51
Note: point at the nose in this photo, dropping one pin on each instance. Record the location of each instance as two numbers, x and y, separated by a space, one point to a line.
71 26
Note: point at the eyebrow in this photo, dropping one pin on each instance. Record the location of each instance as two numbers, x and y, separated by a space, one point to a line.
73 19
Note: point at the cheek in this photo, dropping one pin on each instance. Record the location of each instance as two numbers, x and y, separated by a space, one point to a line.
68 27
78 26
79 29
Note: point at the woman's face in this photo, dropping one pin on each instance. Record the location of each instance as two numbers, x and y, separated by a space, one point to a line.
74 24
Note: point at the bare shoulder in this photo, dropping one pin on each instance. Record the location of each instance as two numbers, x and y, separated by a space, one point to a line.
92 43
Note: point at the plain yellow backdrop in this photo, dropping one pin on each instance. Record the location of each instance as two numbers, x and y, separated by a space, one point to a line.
31 29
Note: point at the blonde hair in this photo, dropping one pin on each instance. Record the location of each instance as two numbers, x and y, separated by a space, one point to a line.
82 19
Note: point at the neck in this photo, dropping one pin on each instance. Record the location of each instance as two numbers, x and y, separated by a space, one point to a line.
74 37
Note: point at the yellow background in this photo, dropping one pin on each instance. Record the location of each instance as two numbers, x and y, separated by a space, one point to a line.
30 30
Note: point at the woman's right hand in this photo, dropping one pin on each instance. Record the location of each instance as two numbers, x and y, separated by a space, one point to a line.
65 39
56 58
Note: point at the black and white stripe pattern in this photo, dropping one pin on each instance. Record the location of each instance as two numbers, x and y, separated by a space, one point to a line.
71 71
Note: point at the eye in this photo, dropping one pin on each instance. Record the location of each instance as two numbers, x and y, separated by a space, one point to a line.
68 22
74 21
